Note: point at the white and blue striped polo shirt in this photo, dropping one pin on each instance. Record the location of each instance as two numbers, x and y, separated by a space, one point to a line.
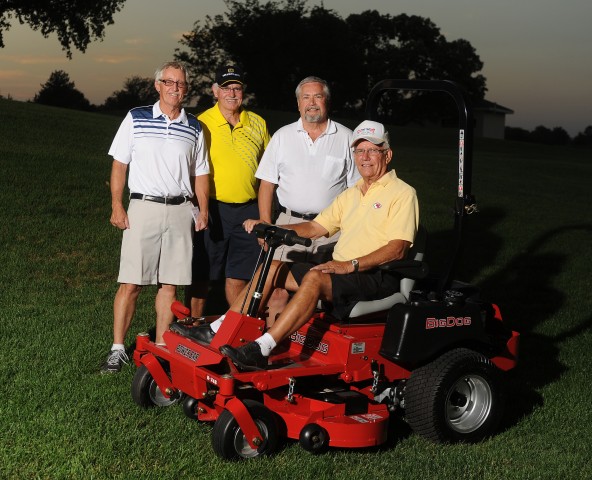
162 154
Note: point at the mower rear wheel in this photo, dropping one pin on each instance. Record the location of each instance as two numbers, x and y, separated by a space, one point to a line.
230 443
456 398
145 391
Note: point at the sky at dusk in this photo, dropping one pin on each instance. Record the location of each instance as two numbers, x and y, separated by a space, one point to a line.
536 53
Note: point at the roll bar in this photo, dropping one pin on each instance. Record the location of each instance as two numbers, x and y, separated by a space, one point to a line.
465 203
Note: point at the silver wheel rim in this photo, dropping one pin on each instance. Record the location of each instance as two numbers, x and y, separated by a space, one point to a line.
468 404
157 397
241 445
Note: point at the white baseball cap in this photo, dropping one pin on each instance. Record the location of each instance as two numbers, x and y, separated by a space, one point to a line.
372 131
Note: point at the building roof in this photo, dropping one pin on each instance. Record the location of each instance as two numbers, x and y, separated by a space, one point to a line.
491 107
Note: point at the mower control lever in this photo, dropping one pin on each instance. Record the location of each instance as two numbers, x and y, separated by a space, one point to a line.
280 236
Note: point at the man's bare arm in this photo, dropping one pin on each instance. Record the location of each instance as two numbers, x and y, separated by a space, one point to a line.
310 229
265 200
117 184
202 192
393 250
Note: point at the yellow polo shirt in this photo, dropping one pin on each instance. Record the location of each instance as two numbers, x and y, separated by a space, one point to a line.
234 154
388 211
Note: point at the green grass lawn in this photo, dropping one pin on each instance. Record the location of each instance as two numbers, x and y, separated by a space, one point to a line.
528 249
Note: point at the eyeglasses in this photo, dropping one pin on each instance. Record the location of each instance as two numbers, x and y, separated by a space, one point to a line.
373 152
231 89
169 83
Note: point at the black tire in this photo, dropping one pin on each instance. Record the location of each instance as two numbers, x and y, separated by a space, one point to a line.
229 441
190 407
314 438
146 393
459 397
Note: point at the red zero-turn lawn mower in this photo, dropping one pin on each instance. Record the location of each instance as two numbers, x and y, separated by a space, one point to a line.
432 353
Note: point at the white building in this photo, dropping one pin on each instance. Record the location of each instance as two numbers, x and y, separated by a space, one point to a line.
490 119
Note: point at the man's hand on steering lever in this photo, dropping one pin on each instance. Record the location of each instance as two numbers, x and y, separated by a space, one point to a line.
310 229
249 224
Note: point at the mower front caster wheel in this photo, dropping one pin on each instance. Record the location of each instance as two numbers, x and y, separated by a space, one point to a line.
190 407
230 443
145 391
314 438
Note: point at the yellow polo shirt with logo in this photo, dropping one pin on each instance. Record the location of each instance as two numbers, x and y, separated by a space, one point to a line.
234 154
388 211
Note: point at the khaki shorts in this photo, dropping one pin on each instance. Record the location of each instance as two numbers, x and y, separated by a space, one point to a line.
320 251
158 246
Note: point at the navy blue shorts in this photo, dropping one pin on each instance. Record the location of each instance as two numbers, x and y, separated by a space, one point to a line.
225 250
352 288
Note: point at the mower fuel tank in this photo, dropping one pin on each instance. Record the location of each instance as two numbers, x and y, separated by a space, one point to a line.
419 331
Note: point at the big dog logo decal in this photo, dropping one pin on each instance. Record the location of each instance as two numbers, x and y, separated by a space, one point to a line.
448 322
310 342
187 352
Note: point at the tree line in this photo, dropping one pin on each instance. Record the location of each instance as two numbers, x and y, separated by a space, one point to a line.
279 42
548 136
60 91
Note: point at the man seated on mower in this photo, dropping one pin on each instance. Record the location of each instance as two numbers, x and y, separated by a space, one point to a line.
378 219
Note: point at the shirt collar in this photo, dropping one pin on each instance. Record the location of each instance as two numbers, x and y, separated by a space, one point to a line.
243 119
331 127
157 112
383 181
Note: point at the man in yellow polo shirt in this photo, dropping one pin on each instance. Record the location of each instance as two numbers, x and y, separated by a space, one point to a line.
378 219
236 139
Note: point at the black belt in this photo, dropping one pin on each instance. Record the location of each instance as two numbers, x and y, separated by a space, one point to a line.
165 200
303 216
234 204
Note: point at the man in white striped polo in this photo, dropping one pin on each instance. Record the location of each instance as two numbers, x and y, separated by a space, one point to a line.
164 148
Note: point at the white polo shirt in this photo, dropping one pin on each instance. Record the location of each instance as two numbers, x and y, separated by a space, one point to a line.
309 174
162 154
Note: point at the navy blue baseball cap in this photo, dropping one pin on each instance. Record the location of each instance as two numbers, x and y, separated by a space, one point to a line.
229 74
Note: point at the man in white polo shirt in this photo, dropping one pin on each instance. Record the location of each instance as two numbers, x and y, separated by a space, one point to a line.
168 161
307 164
310 163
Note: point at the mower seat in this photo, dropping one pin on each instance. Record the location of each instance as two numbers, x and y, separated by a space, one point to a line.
415 270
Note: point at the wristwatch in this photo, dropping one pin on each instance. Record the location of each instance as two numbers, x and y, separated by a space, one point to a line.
356 264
